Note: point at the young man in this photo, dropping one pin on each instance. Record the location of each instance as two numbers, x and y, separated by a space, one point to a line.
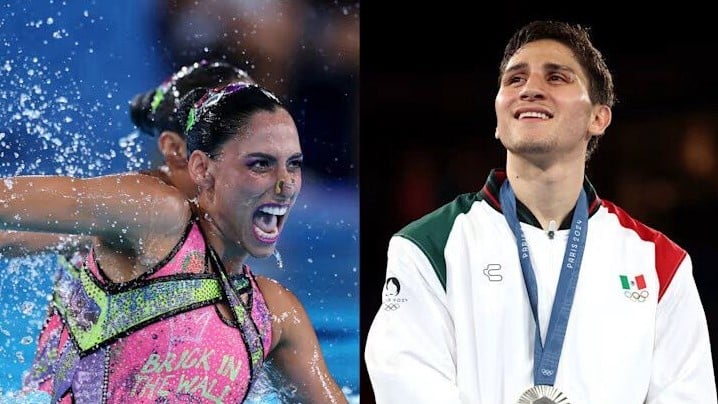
534 289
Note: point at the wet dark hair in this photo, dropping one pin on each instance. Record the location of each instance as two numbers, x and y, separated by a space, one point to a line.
577 39
214 116
155 111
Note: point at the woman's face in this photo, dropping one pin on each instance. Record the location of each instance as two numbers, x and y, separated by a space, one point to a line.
258 175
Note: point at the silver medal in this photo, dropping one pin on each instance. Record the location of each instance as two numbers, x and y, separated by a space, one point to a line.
543 394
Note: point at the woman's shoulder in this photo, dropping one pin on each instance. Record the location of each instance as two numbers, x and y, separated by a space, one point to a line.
278 297
290 322
271 287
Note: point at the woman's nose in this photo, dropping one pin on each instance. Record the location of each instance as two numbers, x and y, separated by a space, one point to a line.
285 186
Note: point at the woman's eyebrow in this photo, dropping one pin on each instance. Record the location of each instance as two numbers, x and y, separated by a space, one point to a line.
260 155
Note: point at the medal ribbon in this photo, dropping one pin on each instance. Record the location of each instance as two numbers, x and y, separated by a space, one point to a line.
546 356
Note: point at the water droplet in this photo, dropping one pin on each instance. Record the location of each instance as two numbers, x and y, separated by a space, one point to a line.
27 308
278 257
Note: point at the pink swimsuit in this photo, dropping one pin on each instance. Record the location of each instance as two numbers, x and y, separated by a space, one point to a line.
158 338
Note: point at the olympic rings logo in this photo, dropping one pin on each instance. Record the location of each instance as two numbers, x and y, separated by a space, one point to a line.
636 296
391 306
546 372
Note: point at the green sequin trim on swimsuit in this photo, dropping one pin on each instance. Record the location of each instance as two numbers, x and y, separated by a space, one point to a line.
95 316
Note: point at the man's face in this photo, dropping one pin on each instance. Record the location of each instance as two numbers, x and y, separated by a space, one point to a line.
543 105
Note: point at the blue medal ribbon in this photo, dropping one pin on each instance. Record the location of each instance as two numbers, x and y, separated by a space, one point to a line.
546 356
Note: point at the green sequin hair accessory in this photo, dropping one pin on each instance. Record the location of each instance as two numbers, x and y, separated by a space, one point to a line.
212 97
191 119
156 110
160 94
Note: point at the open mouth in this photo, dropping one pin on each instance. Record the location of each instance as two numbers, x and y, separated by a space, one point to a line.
267 222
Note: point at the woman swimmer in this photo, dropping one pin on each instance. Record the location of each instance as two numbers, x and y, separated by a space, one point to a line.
165 285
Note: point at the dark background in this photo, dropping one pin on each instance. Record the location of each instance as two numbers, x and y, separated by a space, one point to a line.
428 83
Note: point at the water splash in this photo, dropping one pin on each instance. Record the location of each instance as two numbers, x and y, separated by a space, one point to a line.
278 257
268 388
31 397
271 387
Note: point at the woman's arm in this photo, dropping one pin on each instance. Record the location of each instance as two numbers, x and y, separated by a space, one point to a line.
112 207
131 214
295 348
14 244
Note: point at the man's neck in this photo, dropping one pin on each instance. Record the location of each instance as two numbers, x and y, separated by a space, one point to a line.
550 193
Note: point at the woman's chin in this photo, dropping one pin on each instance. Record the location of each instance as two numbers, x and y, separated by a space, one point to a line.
262 252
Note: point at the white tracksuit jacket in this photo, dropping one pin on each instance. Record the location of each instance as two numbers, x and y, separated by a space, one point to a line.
455 325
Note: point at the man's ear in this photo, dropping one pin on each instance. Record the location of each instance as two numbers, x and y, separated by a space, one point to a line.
601 119
174 149
199 167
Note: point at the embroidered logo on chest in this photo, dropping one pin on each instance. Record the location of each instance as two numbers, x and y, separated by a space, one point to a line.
493 272
634 288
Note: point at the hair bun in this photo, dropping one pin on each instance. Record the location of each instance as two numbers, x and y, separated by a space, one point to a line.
141 112
157 110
